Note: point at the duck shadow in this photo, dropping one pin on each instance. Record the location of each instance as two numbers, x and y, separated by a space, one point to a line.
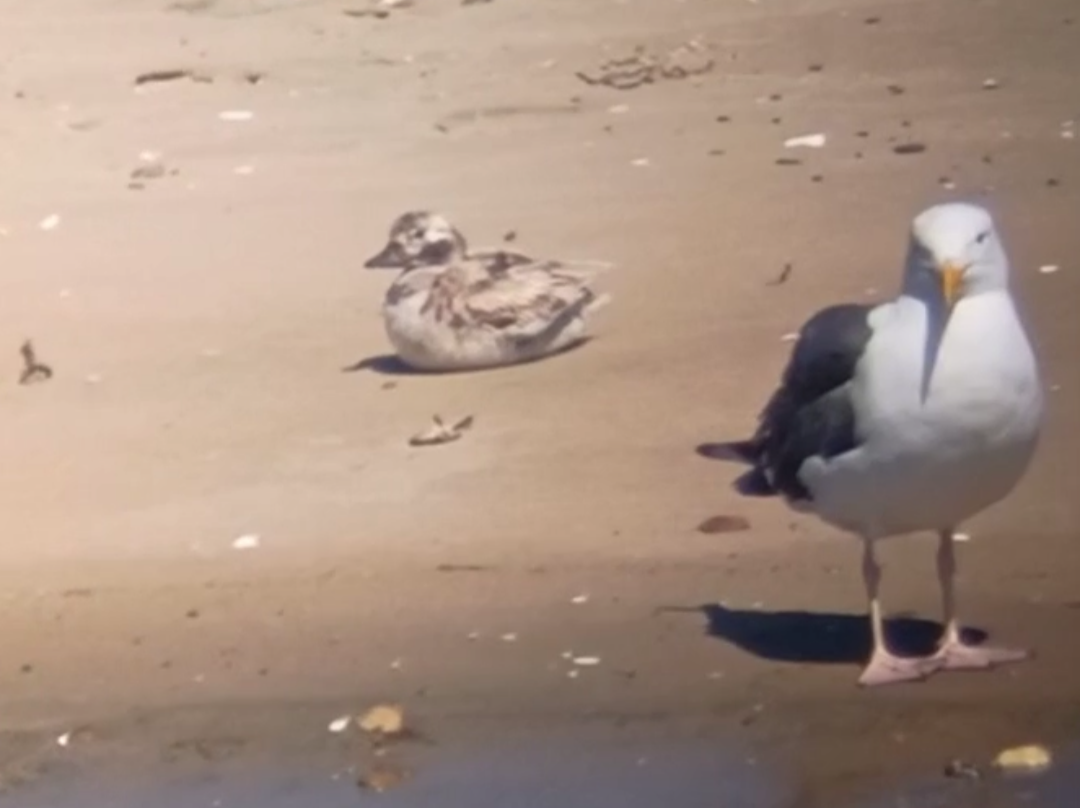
384 365
391 364
821 637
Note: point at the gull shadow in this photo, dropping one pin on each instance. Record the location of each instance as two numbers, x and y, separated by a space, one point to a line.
821 637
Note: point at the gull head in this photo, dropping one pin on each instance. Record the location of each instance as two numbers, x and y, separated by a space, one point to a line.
955 252
419 238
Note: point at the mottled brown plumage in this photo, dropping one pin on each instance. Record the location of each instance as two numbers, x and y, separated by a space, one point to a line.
454 310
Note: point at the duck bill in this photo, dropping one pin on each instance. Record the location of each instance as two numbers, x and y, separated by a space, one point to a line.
391 257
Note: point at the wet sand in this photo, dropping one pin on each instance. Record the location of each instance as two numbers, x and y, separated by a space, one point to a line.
195 283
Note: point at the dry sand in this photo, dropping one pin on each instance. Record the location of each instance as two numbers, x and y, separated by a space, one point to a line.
199 323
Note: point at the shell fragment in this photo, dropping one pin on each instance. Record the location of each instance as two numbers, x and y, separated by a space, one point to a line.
1024 759
439 433
814 141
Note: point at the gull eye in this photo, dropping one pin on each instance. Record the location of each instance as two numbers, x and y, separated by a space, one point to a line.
982 237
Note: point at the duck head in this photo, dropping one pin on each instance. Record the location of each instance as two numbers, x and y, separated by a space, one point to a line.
419 238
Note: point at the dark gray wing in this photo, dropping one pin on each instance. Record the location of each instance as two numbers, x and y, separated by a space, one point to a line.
811 412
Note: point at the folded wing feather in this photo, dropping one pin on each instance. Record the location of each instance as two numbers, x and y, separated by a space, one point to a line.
525 301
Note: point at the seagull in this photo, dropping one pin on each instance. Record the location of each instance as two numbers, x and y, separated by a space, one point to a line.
913 415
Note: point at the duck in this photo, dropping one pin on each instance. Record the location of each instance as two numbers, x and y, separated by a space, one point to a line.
450 309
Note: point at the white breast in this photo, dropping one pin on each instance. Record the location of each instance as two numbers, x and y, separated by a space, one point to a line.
931 463
438 341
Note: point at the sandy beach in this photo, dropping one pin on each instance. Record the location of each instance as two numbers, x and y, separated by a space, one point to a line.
190 192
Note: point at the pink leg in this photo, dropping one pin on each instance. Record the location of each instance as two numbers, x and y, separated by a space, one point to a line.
884 667
953 654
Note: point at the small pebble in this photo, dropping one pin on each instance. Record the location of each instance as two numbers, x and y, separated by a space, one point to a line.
383 719
909 148
236 115
962 770
724 524
246 542
814 141
1031 758
150 171
340 724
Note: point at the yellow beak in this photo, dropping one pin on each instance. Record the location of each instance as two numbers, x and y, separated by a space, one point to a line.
952 282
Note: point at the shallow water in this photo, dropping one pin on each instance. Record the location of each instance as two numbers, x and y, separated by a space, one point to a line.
1059 787
554 774
557 773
